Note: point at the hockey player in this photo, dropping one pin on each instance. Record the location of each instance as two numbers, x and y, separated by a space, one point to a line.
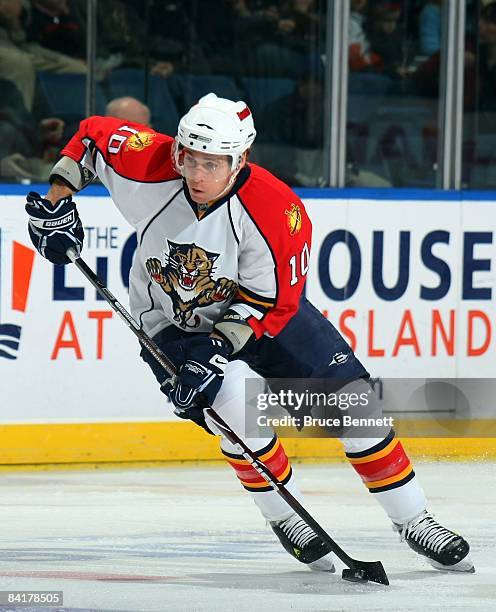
223 249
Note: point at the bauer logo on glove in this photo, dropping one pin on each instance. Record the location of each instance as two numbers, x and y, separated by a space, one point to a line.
54 228
62 223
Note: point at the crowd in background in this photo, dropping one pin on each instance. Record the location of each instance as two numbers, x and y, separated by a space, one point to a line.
394 62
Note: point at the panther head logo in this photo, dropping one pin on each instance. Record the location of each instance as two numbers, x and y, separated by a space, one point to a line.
190 264
187 278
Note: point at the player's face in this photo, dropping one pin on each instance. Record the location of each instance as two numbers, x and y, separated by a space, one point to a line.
206 175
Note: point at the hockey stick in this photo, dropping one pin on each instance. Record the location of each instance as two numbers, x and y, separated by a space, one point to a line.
358 571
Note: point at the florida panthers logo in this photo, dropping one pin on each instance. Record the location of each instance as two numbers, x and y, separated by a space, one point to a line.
293 219
139 141
187 279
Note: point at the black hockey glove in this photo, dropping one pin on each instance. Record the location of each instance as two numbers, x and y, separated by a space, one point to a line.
200 377
54 228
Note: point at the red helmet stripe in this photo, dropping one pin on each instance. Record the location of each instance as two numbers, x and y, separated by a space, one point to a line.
244 113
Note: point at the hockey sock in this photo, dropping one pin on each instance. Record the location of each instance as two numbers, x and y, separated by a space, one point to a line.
387 472
270 503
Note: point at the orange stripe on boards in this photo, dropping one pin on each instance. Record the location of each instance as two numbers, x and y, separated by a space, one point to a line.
23 258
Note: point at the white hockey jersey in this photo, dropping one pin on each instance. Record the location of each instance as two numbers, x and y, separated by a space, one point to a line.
249 250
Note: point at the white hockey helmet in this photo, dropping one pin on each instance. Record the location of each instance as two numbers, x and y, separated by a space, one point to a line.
218 126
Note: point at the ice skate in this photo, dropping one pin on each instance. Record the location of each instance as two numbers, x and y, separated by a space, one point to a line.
303 544
444 549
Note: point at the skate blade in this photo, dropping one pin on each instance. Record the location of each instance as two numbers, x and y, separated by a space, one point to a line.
465 565
324 564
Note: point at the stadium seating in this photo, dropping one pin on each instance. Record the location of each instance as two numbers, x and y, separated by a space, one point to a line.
479 161
392 141
65 95
259 92
131 82
187 89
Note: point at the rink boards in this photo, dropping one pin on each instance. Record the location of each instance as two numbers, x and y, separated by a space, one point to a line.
407 280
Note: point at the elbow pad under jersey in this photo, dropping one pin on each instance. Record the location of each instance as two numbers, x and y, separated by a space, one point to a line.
73 174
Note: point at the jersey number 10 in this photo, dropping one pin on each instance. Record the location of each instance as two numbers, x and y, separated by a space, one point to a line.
117 140
304 264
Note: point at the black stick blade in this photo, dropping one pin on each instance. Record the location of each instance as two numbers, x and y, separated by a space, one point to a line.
363 571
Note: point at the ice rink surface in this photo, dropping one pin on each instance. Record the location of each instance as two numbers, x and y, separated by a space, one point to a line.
187 538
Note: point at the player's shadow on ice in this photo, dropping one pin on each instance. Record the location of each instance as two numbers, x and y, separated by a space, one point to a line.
398 577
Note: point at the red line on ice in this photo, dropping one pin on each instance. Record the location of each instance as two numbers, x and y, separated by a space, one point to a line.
90 576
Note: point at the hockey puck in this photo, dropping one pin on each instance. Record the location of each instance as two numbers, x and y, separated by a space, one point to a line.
354 575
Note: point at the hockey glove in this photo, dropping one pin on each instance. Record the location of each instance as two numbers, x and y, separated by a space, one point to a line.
199 379
53 228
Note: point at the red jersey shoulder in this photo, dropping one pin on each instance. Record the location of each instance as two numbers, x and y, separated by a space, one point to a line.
134 151
273 206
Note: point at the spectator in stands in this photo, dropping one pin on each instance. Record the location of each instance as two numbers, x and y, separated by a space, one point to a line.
480 67
293 137
15 64
58 25
129 109
301 27
480 101
430 20
298 34
20 58
298 118
230 33
292 133
175 41
167 43
360 55
480 72
28 148
388 38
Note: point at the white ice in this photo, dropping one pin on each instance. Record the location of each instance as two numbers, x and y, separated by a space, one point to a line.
187 538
